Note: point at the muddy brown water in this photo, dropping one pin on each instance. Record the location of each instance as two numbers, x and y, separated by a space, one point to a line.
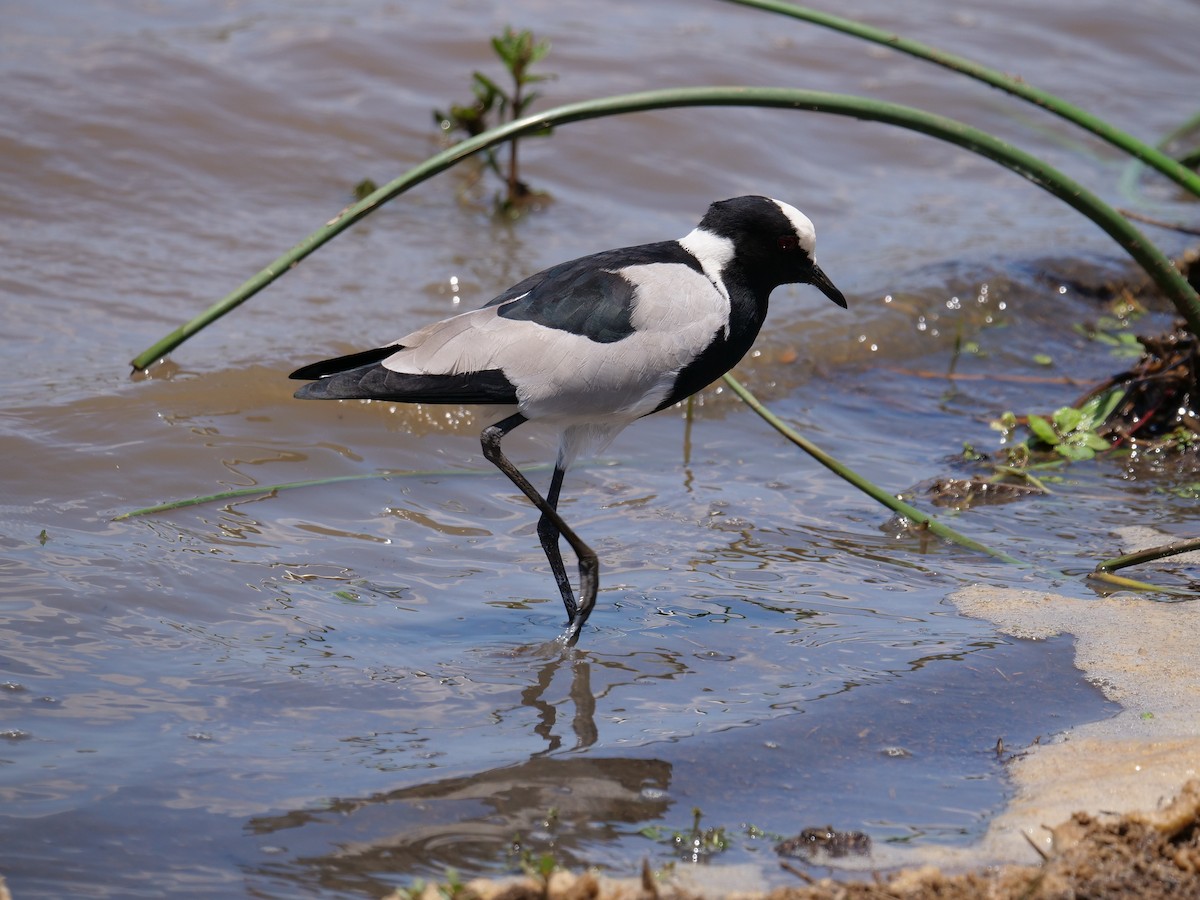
335 690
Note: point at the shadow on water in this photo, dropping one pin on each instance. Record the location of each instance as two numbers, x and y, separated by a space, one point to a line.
926 745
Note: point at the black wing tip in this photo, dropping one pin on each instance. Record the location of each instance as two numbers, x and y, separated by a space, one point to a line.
308 373
338 364
374 382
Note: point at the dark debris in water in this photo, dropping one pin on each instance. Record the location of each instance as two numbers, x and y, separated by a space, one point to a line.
965 493
1161 391
827 841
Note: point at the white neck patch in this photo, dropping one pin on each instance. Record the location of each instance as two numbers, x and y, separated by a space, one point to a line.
803 226
712 251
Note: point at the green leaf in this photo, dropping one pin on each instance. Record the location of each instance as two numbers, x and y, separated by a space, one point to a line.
1006 423
1043 359
486 90
1098 409
503 45
1043 430
526 101
1067 419
1097 442
1128 346
365 188
1074 451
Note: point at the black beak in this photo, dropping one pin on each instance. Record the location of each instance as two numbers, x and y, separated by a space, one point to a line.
820 280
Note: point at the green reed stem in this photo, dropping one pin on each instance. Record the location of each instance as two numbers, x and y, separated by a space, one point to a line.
268 490
1149 555
1148 154
1134 170
934 526
872 490
1148 256
1130 584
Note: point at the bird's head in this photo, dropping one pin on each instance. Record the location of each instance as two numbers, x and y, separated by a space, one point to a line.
772 243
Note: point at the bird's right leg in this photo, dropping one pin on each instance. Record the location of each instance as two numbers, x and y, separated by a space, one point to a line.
549 534
589 567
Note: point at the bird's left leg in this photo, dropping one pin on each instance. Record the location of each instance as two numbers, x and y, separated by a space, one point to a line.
549 534
589 566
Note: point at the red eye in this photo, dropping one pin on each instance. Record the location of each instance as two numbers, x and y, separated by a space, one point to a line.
788 242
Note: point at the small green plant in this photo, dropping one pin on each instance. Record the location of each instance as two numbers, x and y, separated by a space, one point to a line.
694 844
518 51
537 865
1070 432
413 891
452 887
1113 329
1122 344
540 867
365 189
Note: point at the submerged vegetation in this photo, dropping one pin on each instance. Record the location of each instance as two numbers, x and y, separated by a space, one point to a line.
518 52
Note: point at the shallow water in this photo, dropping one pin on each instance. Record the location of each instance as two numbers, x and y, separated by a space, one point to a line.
338 689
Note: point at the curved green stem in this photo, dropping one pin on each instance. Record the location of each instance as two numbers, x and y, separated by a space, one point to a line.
1133 170
1153 260
1130 584
1148 154
267 490
872 490
1149 555
936 526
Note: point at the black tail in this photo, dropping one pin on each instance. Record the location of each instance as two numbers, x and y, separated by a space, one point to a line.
374 382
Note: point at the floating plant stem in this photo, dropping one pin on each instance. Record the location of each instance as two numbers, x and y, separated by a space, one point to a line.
872 490
266 490
1149 555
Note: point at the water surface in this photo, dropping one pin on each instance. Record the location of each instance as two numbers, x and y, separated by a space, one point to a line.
338 689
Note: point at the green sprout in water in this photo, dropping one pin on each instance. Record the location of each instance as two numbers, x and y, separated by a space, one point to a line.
1108 331
518 51
1072 433
537 865
693 845
1112 329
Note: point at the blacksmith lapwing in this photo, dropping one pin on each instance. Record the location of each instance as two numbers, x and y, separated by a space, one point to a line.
592 344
